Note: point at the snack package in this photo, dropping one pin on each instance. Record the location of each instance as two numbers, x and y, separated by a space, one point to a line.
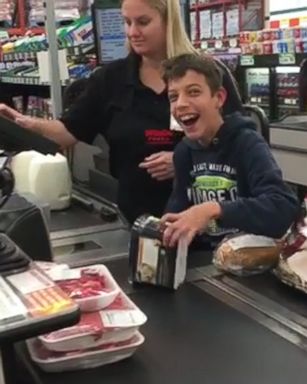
152 263
246 254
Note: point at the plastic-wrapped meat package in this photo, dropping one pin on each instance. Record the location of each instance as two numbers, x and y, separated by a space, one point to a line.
292 265
93 288
118 322
51 361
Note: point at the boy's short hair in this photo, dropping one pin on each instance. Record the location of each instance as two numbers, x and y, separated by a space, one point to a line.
177 67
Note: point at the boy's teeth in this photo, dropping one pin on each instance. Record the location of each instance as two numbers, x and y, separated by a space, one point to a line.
187 117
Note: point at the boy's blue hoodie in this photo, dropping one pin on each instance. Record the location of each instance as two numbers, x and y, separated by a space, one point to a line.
238 170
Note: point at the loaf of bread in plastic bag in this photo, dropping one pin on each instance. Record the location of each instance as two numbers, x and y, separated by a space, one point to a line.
244 254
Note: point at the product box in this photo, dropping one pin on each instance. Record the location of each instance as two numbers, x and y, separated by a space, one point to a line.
152 263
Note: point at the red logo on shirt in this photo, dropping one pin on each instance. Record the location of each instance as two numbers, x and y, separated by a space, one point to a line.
158 137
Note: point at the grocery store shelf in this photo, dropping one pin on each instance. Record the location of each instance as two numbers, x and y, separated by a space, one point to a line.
25 31
288 106
212 4
31 55
261 105
28 80
267 61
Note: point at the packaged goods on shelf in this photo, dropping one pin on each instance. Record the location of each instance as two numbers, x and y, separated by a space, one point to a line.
33 106
106 335
80 32
290 40
7 8
64 10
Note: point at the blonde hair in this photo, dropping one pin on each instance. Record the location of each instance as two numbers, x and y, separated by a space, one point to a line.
177 41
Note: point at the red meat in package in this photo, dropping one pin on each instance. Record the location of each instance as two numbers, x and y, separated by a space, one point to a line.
90 322
44 353
296 240
89 284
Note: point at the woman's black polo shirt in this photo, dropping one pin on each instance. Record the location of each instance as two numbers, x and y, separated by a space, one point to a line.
135 122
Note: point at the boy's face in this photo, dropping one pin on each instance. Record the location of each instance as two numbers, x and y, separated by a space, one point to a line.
194 106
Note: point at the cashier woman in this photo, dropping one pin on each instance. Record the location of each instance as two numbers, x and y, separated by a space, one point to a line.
126 101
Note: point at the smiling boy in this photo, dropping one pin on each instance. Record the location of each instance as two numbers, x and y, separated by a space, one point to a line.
226 179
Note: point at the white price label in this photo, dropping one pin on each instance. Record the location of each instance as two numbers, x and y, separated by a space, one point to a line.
31 281
58 274
233 43
11 307
204 45
218 44
286 58
124 318
247 60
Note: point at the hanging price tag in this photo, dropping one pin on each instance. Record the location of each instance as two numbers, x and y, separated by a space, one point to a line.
303 21
247 60
284 23
218 44
233 43
286 58
204 45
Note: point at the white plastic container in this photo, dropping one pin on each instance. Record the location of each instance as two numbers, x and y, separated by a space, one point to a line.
21 169
92 331
98 302
50 180
51 362
46 177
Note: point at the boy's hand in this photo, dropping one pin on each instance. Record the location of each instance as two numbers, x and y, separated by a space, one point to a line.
188 223
159 165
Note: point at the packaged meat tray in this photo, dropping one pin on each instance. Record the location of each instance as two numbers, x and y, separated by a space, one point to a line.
292 270
92 288
118 322
292 265
50 361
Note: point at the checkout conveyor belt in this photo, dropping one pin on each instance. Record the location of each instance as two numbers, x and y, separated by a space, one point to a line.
264 298
192 337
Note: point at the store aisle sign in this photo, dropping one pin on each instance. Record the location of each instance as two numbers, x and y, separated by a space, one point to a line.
110 33
247 60
286 58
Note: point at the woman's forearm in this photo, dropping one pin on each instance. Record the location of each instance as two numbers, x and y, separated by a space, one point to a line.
52 129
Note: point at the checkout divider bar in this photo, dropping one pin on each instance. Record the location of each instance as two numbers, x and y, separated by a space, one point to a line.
266 312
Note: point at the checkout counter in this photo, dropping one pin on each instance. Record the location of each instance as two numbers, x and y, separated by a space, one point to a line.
215 329
198 335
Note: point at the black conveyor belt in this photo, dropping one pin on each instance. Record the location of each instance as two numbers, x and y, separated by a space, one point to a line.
193 338
270 287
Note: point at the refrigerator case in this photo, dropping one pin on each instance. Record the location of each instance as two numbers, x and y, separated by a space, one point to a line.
287 91
258 88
